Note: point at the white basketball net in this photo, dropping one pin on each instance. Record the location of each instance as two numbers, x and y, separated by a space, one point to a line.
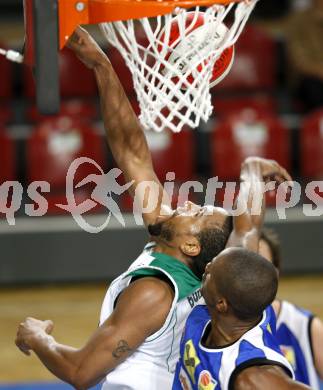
166 96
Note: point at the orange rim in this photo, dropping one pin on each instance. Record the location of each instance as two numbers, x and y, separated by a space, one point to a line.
74 13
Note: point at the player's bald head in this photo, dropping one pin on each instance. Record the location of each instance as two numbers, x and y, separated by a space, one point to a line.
244 279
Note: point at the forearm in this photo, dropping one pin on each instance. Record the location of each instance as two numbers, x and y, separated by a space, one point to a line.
127 141
123 130
125 136
61 360
252 191
250 208
74 366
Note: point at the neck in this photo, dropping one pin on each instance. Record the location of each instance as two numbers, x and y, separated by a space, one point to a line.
170 250
227 330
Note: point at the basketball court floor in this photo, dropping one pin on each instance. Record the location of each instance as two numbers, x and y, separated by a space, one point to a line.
75 311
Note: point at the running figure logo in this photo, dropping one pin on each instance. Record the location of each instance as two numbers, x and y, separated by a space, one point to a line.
106 186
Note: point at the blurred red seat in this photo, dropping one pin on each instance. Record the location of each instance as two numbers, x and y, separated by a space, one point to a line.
254 66
172 152
6 114
311 144
53 146
249 133
231 106
7 166
7 157
76 80
6 84
85 110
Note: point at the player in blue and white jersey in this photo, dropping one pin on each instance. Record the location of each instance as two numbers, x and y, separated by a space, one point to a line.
299 332
230 342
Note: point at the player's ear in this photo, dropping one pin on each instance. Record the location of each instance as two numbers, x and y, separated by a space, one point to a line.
191 246
222 305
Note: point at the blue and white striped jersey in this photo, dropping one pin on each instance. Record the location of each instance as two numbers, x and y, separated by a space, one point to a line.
294 337
202 368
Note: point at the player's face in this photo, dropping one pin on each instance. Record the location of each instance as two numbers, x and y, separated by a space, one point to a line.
208 283
197 232
191 218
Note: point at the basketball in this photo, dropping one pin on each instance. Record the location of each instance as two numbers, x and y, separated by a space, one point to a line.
199 41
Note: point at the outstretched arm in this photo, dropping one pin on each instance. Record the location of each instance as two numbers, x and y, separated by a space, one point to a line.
124 133
116 339
250 203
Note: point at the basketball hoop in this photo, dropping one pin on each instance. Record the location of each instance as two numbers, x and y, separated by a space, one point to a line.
172 77
175 49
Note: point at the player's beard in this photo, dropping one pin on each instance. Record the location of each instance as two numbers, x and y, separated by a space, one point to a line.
160 230
199 263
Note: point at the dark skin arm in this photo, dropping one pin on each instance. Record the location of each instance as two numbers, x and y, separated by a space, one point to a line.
124 133
317 339
266 378
141 310
255 172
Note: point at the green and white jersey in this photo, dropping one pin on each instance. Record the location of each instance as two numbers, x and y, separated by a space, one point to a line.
152 365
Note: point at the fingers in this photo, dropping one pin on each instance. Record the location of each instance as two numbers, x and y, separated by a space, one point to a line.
49 326
285 174
279 173
20 343
22 347
46 325
77 38
283 177
28 330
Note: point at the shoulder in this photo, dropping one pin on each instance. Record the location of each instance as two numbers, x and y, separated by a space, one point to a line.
317 328
289 311
265 377
145 296
147 301
149 289
197 319
194 325
276 305
316 336
200 311
256 374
